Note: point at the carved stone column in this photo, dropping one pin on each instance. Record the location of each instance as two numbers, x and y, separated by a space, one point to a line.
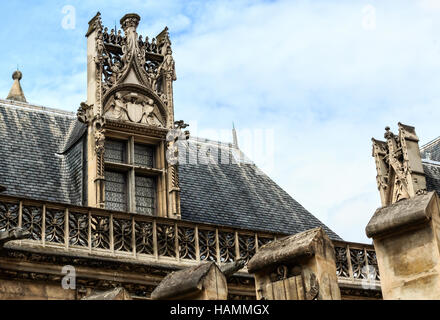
407 242
90 113
299 267
203 282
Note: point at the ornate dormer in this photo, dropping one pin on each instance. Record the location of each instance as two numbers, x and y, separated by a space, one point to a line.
399 167
129 113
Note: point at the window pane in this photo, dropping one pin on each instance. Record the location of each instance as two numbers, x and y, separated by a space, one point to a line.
145 195
144 155
116 151
115 191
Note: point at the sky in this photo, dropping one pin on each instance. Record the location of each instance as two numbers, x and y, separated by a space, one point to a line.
306 83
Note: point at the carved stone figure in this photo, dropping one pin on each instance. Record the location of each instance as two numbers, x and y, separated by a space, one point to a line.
135 108
168 65
106 35
112 37
85 113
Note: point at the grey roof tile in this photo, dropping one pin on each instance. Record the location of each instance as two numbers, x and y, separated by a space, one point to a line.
41 157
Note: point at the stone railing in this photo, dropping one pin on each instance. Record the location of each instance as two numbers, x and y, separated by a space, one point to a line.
356 264
140 237
147 238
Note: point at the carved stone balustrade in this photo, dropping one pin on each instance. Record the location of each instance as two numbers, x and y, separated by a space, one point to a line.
126 235
82 232
357 270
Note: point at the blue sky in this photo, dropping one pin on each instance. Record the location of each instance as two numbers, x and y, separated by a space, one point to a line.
319 78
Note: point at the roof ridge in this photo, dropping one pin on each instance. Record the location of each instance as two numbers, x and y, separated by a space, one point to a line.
431 162
429 143
34 107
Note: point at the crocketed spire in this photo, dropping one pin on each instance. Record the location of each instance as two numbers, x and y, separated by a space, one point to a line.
16 92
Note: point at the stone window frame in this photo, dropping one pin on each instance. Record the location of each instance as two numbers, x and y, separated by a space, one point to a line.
132 169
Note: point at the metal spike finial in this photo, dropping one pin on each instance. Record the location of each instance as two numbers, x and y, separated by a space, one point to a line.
234 136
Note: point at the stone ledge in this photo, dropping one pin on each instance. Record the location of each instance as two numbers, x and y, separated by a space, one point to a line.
183 282
287 249
400 215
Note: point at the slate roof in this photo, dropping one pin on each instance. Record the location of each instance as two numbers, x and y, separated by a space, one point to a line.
42 157
431 150
430 154
31 164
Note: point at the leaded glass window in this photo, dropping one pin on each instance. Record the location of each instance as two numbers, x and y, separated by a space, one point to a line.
116 191
144 155
145 195
131 176
116 151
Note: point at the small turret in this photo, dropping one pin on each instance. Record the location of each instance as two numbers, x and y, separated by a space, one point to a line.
16 92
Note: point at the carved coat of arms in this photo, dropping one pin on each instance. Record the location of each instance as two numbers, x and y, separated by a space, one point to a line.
136 108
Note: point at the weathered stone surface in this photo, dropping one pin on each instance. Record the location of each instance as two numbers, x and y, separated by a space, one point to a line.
299 267
400 214
286 250
114 294
202 282
406 239
399 167
27 290
13 234
229 269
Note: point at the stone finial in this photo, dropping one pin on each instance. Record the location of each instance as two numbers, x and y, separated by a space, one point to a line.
16 92
130 20
388 134
234 136
400 173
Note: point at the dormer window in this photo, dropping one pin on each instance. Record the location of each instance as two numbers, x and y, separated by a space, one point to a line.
131 175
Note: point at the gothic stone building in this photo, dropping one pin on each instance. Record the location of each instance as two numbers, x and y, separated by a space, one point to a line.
114 190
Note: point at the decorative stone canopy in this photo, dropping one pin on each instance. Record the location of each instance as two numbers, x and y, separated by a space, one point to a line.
16 93
288 249
400 215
